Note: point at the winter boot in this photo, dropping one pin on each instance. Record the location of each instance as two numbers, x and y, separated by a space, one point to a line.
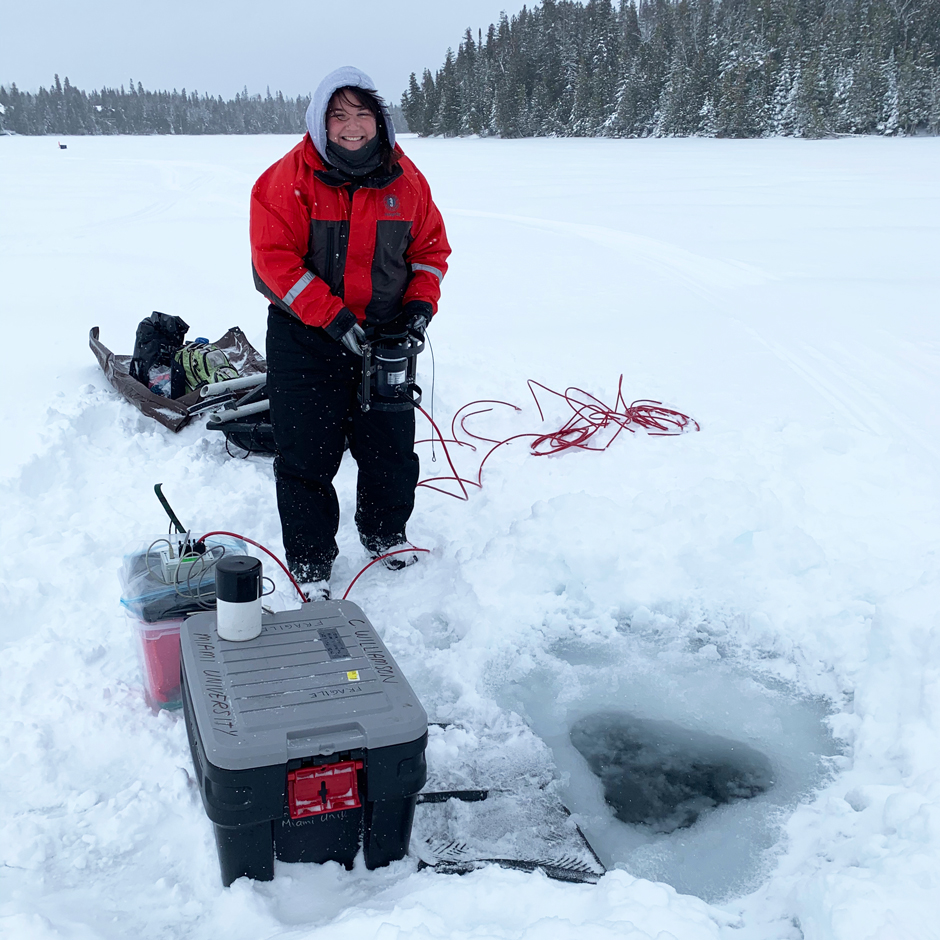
316 591
398 556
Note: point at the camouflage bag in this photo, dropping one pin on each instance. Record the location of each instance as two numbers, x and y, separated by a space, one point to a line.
201 363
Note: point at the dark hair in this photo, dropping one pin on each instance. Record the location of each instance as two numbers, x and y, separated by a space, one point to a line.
373 102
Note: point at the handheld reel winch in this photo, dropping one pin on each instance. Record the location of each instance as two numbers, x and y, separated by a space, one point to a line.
389 367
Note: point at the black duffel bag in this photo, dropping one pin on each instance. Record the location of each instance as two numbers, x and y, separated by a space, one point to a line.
158 338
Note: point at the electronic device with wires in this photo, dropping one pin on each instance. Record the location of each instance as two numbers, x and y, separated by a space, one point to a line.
180 558
389 368
183 566
178 569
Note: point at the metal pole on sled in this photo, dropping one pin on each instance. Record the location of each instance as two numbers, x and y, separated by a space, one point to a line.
233 385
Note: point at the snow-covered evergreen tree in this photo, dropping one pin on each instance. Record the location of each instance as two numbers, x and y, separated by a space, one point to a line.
737 68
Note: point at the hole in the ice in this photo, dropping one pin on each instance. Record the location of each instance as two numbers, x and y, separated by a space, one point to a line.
675 711
663 776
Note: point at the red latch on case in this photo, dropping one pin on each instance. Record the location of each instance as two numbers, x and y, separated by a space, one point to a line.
326 789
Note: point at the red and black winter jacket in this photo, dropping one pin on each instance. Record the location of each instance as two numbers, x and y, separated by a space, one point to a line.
322 246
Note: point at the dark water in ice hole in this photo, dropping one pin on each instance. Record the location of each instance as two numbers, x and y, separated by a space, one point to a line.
731 847
663 776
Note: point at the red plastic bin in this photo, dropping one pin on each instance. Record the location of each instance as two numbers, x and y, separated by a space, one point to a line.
159 646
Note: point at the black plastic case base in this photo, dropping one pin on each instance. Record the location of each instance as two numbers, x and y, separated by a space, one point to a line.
331 837
252 822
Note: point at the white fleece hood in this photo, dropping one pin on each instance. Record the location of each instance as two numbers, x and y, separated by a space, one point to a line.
316 110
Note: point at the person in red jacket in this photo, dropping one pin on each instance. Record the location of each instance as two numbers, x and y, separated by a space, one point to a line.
346 243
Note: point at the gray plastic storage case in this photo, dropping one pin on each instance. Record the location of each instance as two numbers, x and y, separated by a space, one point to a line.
317 688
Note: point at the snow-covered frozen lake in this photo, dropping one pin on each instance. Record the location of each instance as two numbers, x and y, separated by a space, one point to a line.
768 587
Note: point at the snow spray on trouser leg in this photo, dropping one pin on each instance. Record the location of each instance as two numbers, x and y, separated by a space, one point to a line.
313 384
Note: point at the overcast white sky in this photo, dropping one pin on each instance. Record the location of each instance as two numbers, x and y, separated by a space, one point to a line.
217 47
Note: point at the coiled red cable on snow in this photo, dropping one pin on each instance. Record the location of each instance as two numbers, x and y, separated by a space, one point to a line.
589 416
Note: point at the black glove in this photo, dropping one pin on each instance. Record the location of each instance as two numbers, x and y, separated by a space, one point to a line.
353 339
416 315
345 329
418 323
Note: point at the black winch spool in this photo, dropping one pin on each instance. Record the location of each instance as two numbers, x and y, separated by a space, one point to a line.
389 367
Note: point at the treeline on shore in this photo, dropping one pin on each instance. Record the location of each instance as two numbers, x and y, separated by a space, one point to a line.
723 68
66 110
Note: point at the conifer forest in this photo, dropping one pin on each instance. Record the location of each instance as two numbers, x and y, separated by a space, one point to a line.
66 110
720 68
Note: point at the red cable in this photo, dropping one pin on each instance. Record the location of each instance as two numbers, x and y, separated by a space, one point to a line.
303 596
398 551
456 476
245 538
463 418
589 416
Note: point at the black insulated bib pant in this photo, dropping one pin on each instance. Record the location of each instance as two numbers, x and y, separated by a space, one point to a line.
312 386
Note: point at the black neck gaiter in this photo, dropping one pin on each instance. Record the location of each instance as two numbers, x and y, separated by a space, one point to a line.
356 163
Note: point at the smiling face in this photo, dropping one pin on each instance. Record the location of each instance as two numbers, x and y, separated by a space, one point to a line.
349 123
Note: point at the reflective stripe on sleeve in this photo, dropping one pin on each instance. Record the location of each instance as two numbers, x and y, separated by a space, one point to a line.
426 267
294 292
